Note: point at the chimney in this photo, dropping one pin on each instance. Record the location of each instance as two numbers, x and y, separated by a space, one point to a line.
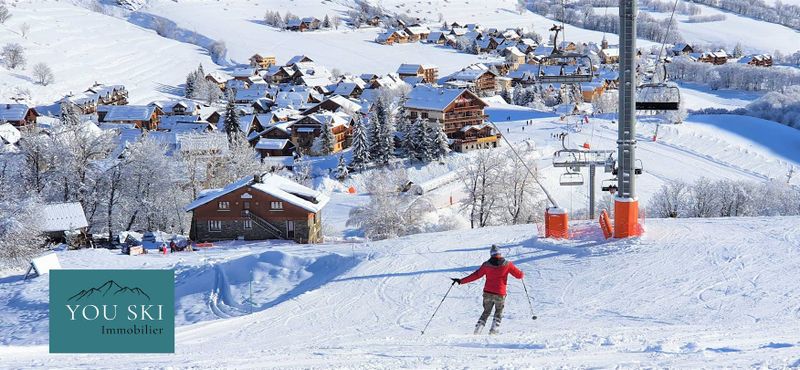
257 179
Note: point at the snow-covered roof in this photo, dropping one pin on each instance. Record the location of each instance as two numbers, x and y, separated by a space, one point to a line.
467 75
62 217
432 98
295 99
122 113
435 36
297 59
243 72
332 119
610 52
271 184
218 76
345 88
9 134
271 144
417 30
13 112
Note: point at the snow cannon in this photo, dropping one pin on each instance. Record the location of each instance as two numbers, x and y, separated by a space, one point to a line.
556 223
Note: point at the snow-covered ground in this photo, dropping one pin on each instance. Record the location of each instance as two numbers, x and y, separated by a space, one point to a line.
83 47
690 293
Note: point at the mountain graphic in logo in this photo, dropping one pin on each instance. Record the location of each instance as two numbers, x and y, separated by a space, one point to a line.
109 288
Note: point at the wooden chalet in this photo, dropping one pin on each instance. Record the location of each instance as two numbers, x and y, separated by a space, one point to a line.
718 57
304 24
18 115
262 61
682 49
307 129
417 33
264 206
392 36
139 116
428 72
758 60
459 111
218 78
482 81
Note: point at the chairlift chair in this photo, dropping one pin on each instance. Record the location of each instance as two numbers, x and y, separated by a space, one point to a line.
570 179
668 97
573 68
638 168
609 185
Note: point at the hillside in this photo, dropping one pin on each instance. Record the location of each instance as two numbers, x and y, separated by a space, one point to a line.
83 47
688 293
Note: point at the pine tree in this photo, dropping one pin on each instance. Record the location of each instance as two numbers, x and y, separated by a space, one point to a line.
360 147
377 118
441 144
737 51
506 95
428 147
231 117
417 139
70 116
385 134
190 84
404 127
326 23
328 140
341 169
200 72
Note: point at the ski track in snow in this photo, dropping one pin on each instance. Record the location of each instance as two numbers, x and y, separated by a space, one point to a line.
689 293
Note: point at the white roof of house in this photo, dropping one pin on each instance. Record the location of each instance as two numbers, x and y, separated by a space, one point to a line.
123 113
294 99
271 184
271 144
218 76
610 52
435 36
62 217
468 75
13 112
297 59
345 88
416 30
431 98
334 119
9 134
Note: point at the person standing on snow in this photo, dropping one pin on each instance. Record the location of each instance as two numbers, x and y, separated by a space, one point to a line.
496 270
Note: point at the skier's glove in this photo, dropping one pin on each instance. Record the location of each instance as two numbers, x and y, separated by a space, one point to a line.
456 280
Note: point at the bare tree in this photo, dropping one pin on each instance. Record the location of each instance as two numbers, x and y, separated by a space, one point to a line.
20 238
670 200
43 74
482 183
13 56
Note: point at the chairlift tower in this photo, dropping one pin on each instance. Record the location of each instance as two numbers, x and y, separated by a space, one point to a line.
626 205
576 159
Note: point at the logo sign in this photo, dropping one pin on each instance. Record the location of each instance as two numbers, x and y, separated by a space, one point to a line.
112 311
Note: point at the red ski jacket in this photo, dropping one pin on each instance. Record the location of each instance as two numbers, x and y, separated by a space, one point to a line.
496 271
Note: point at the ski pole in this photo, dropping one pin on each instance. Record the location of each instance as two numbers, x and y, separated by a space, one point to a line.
437 308
533 316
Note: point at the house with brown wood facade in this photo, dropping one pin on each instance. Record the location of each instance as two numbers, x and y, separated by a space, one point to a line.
18 115
307 129
428 72
263 206
139 116
460 112
262 61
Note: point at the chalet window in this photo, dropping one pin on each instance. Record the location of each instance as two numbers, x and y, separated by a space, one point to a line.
247 224
290 229
413 114
214 225
246 205
224 206
424 115
276 206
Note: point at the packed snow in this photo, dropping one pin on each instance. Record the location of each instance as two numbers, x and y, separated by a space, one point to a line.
689 293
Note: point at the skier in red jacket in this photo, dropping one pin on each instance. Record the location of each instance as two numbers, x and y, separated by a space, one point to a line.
496 270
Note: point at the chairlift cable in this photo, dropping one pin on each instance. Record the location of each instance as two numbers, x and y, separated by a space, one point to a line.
530 172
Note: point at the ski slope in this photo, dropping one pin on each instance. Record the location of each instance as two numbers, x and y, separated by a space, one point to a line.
83 47
690 293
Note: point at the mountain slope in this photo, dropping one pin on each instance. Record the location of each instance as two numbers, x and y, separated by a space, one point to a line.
690 292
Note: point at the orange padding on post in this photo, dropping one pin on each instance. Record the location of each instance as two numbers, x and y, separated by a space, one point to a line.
605 224
626 218
556 223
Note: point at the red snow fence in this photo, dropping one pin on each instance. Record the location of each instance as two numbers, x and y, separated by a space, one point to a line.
605 224
203 245
556 223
